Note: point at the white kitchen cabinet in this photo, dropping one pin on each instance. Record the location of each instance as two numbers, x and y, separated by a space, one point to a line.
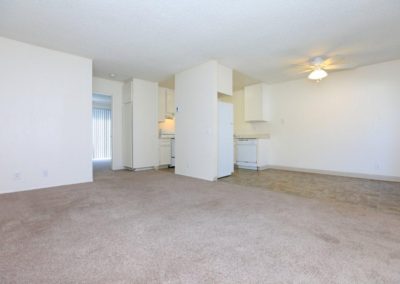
164 151
140 136
257 105
170 103
166 103
162 104
251 153
225 80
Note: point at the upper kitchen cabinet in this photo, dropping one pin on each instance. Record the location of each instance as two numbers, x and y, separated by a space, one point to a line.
257 103
162 102
225 81
170 107
166 103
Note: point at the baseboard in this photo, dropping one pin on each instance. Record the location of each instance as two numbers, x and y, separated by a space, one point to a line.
337 173
117 168
163 166
144 169
251 167
260 168
140 169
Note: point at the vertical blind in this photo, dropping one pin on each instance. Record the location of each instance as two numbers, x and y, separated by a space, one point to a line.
101 133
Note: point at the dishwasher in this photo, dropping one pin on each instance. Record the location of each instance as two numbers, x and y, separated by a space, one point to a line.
246 152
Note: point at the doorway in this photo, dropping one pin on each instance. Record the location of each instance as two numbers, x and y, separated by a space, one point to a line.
102 132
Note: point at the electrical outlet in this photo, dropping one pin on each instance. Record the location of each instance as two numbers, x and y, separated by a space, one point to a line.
45 173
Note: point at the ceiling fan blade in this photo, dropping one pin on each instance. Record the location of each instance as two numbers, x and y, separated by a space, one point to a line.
299 69
335 67
327 62
305 71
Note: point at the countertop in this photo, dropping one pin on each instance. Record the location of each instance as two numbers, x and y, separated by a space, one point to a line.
252 136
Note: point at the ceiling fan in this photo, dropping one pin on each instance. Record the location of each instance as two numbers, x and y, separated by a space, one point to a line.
319 66
318 73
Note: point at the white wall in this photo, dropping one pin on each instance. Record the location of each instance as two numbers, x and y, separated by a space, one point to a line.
197 121
114 89
145 124
45 117
349 122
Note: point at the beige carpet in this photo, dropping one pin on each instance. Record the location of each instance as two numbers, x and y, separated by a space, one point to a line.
155 227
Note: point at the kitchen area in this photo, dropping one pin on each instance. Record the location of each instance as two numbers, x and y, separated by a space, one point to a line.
166 126
251 138
252 115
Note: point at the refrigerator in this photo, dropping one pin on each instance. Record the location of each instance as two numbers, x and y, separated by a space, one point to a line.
225 139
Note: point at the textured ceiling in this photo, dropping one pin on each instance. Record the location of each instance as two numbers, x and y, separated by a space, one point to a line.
155 39
239 81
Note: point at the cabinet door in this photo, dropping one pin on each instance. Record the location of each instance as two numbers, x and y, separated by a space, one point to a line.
170 102
262 152
225 78
165 152
253 103
161 104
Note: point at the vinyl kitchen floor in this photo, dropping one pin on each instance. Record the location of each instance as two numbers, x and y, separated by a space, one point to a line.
381 195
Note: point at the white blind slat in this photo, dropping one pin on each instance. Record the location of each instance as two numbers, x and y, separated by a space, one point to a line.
101 133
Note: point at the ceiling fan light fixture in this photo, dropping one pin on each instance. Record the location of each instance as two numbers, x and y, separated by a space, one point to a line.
317 74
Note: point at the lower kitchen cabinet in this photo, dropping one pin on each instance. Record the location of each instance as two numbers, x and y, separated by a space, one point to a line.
165 151
251 153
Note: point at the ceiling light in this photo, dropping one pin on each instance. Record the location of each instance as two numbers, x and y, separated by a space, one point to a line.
318 74
112 75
